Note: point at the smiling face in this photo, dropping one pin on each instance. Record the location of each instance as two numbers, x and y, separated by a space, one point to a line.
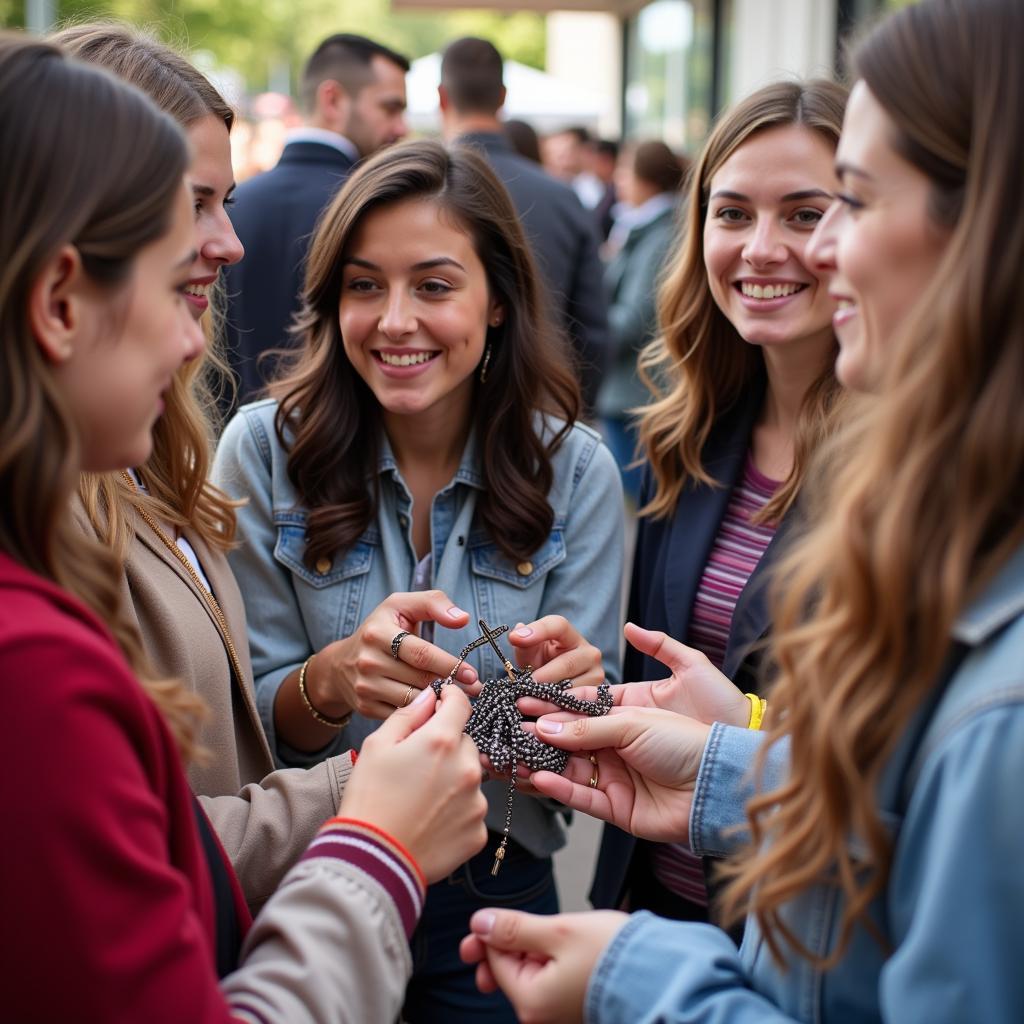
212 182
129 346
765 201
415 309
878 245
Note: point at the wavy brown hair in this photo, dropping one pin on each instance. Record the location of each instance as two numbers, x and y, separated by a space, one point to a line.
176 472
923 495
63 127
699 365
329 419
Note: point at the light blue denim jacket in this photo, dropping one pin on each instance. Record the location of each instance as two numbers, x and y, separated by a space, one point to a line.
294 611
952 912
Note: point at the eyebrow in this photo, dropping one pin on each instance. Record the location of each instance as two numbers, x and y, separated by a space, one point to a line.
844 169
440 261
789 197
209 190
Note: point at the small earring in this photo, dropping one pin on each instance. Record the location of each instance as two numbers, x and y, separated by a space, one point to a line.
483 365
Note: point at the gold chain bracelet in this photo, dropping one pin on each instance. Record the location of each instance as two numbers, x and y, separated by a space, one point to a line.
333 723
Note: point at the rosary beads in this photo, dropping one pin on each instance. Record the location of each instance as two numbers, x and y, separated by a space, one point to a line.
495 724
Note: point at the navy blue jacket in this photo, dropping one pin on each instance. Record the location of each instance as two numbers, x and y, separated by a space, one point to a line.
563 238
274 215
667 569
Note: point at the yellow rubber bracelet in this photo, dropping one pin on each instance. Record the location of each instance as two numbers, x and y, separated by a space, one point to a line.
758 706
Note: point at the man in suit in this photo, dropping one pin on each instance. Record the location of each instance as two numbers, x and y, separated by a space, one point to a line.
560 231
353 95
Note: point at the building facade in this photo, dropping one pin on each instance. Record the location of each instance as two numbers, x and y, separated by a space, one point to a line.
666 67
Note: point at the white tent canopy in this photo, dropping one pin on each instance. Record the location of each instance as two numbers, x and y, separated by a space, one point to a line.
546 102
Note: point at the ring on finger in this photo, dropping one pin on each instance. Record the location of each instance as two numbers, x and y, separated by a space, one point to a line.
407 697
396 643
597 772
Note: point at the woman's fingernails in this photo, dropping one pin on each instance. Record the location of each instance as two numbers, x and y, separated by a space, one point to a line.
467 674
425 694
455 611
483 922
549 725
523 631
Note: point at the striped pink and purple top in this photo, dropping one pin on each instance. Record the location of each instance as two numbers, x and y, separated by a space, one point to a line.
738 548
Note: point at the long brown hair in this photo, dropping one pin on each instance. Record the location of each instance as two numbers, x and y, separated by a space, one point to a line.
699 365
923 495
91 163
329 418
176 472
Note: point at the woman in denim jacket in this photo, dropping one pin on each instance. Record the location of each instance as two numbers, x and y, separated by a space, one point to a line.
882 874
420 464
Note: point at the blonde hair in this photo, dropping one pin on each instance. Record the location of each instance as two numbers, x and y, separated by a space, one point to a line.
920 500
699 366
175 475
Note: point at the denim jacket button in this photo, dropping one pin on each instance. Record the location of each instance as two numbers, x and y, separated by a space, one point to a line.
323 566
524 568
403 521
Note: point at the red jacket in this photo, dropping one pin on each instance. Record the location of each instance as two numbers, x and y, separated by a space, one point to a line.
108 908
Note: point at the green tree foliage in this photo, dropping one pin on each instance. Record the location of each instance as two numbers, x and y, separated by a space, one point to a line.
266 41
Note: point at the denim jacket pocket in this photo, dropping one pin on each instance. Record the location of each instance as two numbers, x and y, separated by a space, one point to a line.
291 547
489 561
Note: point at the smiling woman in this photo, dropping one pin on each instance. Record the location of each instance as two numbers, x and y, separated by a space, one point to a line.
424 437
743 391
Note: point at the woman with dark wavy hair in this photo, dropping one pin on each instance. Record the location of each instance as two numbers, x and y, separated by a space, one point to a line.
880 862
421 465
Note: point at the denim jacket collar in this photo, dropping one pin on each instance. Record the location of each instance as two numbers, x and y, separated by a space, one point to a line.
999 603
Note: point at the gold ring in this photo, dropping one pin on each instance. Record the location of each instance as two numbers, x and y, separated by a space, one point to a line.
408 697
597 772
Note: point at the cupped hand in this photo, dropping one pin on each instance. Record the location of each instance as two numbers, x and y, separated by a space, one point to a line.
542 963
418 779
647 762
695 688
556 650
359 673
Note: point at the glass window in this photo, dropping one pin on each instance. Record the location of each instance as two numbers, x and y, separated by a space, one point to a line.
670 68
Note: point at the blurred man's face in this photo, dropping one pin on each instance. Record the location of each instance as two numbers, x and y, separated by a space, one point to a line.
378 112
562 155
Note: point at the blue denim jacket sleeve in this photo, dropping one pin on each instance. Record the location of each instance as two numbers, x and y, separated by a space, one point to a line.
242 468
956 895
725 782
666 972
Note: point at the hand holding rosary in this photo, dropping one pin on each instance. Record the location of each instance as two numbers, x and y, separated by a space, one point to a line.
496 722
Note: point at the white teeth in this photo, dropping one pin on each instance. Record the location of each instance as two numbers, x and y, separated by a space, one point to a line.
406 360
768 291
845 304
199 290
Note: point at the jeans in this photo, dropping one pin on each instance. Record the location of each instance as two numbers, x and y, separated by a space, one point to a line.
442 989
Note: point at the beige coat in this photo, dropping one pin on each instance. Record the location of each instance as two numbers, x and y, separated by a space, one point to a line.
264 818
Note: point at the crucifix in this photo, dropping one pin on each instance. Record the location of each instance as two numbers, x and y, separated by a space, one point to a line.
488 636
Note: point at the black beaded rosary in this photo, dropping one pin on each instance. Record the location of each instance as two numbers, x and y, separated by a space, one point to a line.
495 724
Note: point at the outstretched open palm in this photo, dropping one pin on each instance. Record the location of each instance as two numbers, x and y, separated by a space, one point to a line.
646 768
